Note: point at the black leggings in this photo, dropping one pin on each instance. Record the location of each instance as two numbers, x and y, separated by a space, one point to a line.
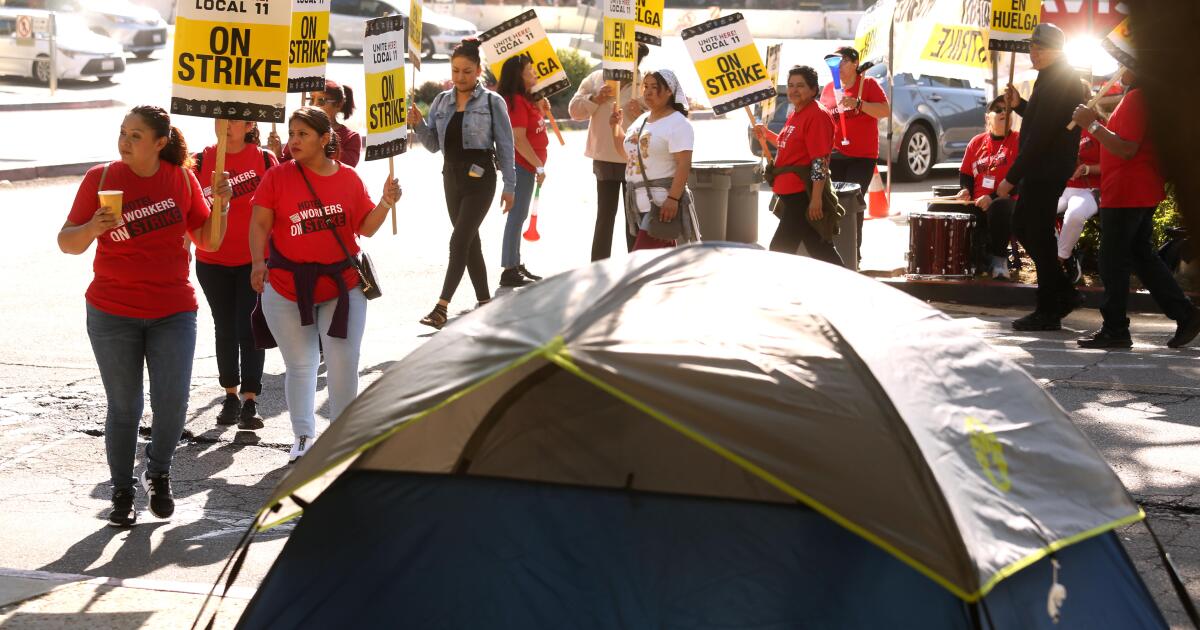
856 171
608 207
231 299
467 200
795 229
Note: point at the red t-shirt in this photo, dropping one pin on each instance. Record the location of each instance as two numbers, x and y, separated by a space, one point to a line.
299 228
1136 182
861 129
246 169
807 134
141 265
1089 153
988 160
525 114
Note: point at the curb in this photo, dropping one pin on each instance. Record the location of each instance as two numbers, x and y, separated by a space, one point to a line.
43 106
23 173
1007 294
190 588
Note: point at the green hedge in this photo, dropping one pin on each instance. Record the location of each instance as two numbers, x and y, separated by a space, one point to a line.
1166 216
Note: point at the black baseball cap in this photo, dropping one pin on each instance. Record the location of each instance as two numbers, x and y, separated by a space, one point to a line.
848 52
1048 36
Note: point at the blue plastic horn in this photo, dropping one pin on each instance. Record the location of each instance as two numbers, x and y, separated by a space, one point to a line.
835 62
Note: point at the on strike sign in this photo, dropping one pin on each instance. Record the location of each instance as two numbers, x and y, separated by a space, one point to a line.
309 46
1012 23
524 35
620 43
384 51
231 59
414 33
730 68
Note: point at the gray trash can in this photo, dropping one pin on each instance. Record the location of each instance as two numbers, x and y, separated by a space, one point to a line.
709 182
741 223
846 240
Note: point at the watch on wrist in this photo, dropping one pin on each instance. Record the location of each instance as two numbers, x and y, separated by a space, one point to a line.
859 105
541 170
1093 127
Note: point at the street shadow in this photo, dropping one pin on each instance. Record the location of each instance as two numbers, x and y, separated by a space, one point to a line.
134 619
77 85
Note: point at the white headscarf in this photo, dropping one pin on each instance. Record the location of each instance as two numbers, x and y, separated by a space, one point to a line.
674 86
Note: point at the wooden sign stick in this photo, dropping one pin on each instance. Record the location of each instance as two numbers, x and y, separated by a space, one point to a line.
218 168
391 176
1091 104
762 142
553 123
1012 72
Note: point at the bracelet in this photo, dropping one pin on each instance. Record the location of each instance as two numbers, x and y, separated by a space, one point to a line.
1092 128
859 105
675 199
541 170
1087 170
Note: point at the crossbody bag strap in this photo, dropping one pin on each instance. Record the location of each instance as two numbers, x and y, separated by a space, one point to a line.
637 141
328 222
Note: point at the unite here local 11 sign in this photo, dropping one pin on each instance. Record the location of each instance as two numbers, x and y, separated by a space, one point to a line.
1119 44
1012 23
730 68
231 59
524 35
620 40
384 50
309 47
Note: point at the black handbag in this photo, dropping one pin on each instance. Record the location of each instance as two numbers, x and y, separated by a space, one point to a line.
662 230
362 263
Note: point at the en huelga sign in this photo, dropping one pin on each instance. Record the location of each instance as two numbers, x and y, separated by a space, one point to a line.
524 35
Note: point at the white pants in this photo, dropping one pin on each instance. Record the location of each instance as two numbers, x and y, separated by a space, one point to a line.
1077 205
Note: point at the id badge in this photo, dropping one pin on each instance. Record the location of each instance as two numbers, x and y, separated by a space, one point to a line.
475 171
989 183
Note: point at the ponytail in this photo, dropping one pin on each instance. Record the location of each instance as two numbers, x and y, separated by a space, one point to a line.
157 118
347 103
340 95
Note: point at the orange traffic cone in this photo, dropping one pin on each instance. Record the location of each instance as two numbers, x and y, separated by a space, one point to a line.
877 203
532 233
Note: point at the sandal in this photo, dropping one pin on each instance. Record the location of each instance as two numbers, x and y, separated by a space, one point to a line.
436 318
483 303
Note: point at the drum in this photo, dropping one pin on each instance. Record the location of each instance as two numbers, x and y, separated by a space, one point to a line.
945 190
939 246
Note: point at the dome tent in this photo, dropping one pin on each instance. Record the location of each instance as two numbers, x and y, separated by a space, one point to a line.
706 436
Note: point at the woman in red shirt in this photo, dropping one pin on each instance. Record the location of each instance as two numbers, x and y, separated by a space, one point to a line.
804 145
988 157
141 308
307 278
517 78
225 274
336 99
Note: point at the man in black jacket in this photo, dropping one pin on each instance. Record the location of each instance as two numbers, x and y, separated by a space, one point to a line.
1045 160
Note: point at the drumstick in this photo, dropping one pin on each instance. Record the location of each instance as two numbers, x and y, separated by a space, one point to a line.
1099 95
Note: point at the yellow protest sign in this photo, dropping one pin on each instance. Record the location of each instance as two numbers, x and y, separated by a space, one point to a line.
384 50
524 35
649 22
957 44
231 62
1119 44
309 48
768 107
730 68
414 33
620 40
1012 23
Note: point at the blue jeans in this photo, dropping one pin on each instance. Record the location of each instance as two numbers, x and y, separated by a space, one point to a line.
510 250
122 345
301 355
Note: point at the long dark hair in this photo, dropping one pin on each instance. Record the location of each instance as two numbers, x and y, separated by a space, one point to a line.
316 119
468 49
159 121
676 105
340 95
252 136
512 79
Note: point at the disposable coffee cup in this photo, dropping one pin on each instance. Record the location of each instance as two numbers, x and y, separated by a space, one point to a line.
110 200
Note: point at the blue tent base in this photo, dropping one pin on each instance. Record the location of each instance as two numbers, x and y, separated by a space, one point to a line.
398 550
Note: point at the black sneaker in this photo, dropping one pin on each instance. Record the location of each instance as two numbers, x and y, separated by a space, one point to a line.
158 488
1105 338
230 409
512 278
248 420
122 514
525 272
1037 320
1074 272
1069 302
1186 331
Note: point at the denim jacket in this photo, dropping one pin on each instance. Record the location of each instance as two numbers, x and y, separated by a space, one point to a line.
481 129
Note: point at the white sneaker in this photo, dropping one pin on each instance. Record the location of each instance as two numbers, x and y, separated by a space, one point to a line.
299 448
1000 268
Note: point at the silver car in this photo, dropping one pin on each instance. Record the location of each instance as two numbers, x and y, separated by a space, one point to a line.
439 33
139 30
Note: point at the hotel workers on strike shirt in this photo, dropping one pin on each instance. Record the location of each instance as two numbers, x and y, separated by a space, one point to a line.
524 114
246 169
807 135
988 159
861 129
1136 182
299 232
141 265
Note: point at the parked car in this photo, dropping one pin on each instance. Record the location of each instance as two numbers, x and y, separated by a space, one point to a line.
139 30
934 119
439 33
81 53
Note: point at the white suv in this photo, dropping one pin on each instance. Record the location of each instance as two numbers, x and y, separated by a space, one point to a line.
140 30
81 53
439 33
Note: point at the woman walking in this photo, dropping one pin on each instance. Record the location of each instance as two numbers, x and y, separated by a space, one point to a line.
311 209
336 99
470 126
141 308
517 78
224 275
658 149
801 169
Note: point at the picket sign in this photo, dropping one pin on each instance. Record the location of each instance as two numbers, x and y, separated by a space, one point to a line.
731 70
523 35
385 47
1118 44
308 51
1012 24
648 28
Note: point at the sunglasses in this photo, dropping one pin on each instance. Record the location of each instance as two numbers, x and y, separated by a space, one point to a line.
1002 110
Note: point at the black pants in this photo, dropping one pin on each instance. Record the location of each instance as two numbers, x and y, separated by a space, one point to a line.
1125 247
994 227
795 229
610 189
467 200
1033 225
231 299
856 171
